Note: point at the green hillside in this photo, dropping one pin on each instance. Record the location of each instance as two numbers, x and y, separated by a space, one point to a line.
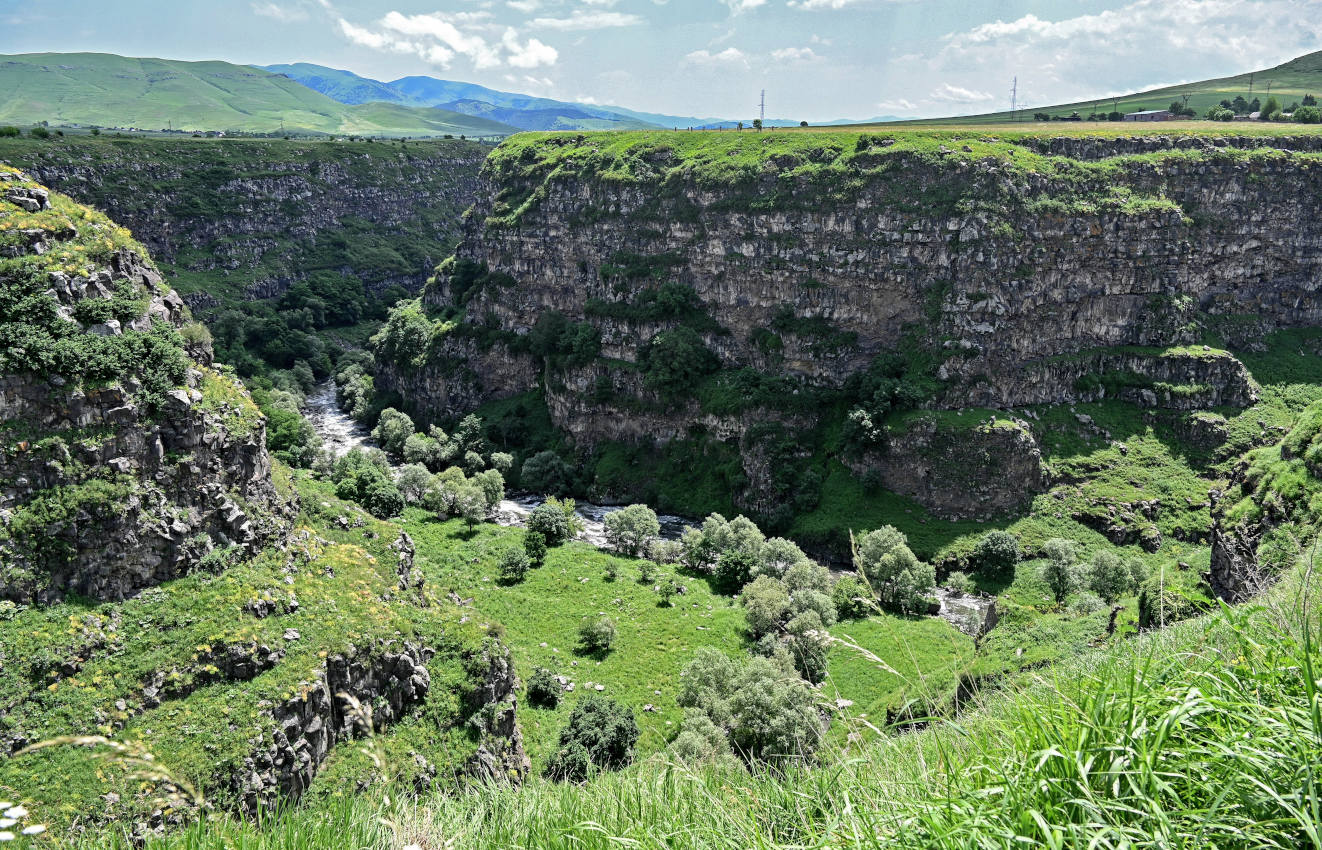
1288 82
116 91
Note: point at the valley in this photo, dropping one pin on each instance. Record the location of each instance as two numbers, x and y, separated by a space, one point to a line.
346 479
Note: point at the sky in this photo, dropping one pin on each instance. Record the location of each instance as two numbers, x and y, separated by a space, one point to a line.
817 60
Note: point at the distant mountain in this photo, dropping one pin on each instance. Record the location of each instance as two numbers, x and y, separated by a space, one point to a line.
117 91
519 110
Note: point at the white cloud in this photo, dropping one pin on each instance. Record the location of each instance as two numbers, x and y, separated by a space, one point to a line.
530 54
728 56
287 13
898 105
946 93
605 3
793 54
582 19
737 6
439 38
527 7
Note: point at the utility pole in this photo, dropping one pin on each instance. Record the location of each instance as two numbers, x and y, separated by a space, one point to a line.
1014 96
1251 73
762 108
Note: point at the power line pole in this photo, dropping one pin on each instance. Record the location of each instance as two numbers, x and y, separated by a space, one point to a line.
1251 73
1014 96
762 108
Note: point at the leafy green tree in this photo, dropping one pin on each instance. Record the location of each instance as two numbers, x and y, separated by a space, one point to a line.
513 565
1110 577
733 570
699 739
766 605
808 645
470 503
596 634
777 556
550 522
392 429
413 481
774 715
546 473
629 530
1061 571
959 582
675 359
1270 108
997 553
534 546
1240 105
600 735
706 683
493 487
852 598
666 588
502 462
1308 115
900 581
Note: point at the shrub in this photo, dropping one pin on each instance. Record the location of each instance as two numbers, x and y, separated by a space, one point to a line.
629 530
1169 596
774 716
9 131
666 588
543 688
852 598
808 645
960 583
1085 603
600 734
647 571
699 739
513 565
413 480
777 555
675 359
997 552
596 634
548 520
1308 115
492 484
470 503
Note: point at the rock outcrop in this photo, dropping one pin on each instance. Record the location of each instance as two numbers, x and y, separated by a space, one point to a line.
127 457
1051 272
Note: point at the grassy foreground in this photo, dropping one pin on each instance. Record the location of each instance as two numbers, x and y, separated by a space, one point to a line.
1205 734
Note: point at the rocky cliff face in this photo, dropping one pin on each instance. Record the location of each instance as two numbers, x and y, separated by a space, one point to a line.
127 457
1044 271
261 215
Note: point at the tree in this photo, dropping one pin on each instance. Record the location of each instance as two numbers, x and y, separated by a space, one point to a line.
1308 115
413 480
1270 108
766 605
513 565
774 715
548 520
757 124
534 546
543 688
666 588
493 486
803 123
852 598
1110 577
600 734
392 429
502 461
699 739
1220 113
960 583
1060 571
629 530
997 553
899 580
545 473
808 645
733 570
777 555
1240 105
675 359
706 683
596 634
470 503
419 448
1309 100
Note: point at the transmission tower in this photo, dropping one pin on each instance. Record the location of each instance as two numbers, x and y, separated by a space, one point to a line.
1014 96
762 108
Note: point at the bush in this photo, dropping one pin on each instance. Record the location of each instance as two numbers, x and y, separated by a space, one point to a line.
492 484
513 565
362 477
1308 115
413 481
543 688
647 571
666 588
39 133
960 583
1169 596
392 430
548 520
675 359
699 739
9 131
777 555
1086 602
470 503
997 553
600 734
596 634
629 530
774 715
852 598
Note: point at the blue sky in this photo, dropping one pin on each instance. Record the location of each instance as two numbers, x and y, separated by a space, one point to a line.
817 59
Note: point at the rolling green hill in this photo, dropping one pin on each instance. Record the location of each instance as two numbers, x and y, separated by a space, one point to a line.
1289 82
116 91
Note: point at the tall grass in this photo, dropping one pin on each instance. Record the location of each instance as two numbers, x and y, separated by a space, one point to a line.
1206 734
